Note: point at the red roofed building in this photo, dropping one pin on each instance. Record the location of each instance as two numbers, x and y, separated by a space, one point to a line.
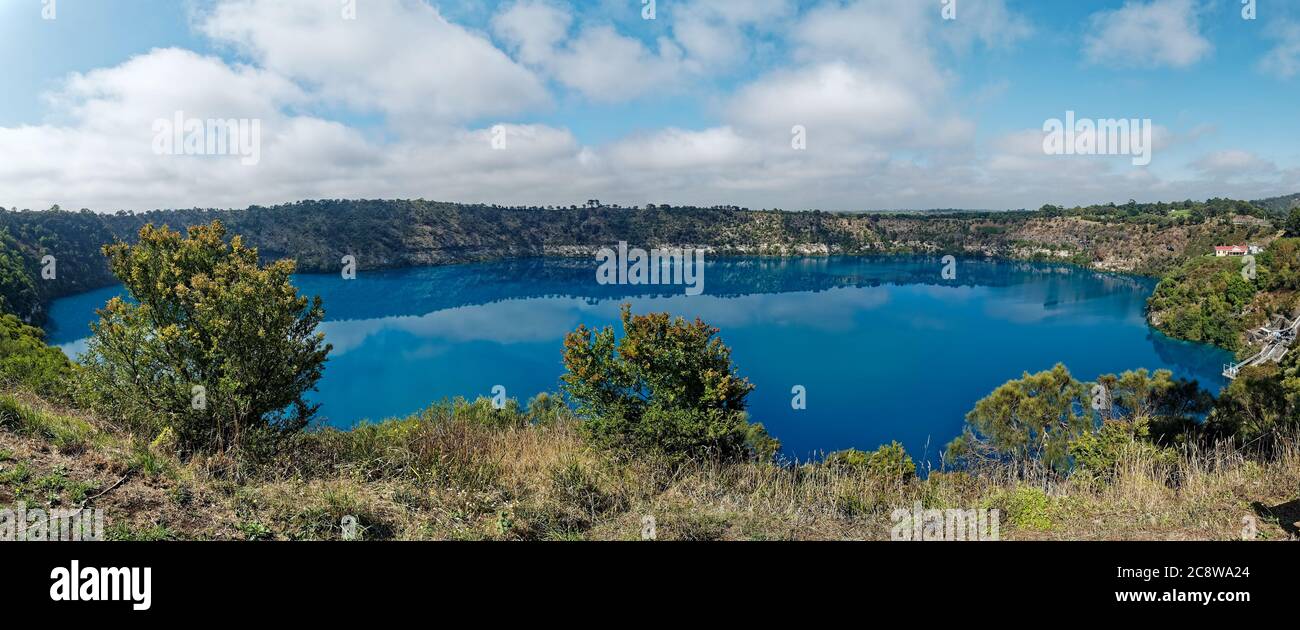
1230 250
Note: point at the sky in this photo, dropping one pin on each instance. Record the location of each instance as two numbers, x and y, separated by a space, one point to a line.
793 104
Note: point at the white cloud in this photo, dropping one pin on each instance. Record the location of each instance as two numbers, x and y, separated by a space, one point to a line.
1148 35
100 155
1233 162
598 62
721 35
1283 60
988 22
586 52
674 149
399 57
867 79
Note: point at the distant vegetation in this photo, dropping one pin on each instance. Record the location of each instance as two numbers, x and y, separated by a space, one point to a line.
1203 301
1211 300
26 362
1132 237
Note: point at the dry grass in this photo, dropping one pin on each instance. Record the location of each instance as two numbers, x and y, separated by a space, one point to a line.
464 471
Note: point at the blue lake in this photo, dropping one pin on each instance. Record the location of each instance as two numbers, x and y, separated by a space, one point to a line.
886 349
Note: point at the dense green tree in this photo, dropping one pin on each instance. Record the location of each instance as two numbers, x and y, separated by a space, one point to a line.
1031 418
18 291
1168 408
210 345
26 361
1279 266
1293 223
1259 406
667 386
1202 301
1053 418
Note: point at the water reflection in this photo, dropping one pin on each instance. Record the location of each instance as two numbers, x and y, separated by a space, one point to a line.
886 348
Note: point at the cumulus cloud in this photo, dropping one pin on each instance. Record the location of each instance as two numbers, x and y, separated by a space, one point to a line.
987 22
594 58
1147 35
598 61
1283 60
399 57
866 79
1233 162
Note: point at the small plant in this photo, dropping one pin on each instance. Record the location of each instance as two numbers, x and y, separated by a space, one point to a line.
19 474
182 495
1029 508
122 531
255 530
148 463
889 463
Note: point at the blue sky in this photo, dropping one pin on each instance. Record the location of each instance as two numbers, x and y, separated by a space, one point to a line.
902 108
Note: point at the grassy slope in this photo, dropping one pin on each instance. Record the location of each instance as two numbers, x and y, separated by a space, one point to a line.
469 472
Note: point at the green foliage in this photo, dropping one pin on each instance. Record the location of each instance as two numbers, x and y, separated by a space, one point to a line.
68 434
255 530
1100 453
18 289
666 387
27 362
124 532
1029 508
1279 265
889 463
1031 418
1259 406
204 315
1293 223
1053 418
1202 301
1165 407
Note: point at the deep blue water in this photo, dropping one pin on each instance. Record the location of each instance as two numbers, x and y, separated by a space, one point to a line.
886 349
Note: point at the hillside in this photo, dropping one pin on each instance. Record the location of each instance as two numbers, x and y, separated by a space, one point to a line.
462 471
1282 204
1138 238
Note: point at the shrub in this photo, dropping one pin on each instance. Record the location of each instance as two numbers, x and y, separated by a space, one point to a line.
204 315
1259 406
667 387
889 463
1100 453
1029 508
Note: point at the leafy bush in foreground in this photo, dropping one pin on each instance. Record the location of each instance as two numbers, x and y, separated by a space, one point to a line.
666 387
888 463
212 346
